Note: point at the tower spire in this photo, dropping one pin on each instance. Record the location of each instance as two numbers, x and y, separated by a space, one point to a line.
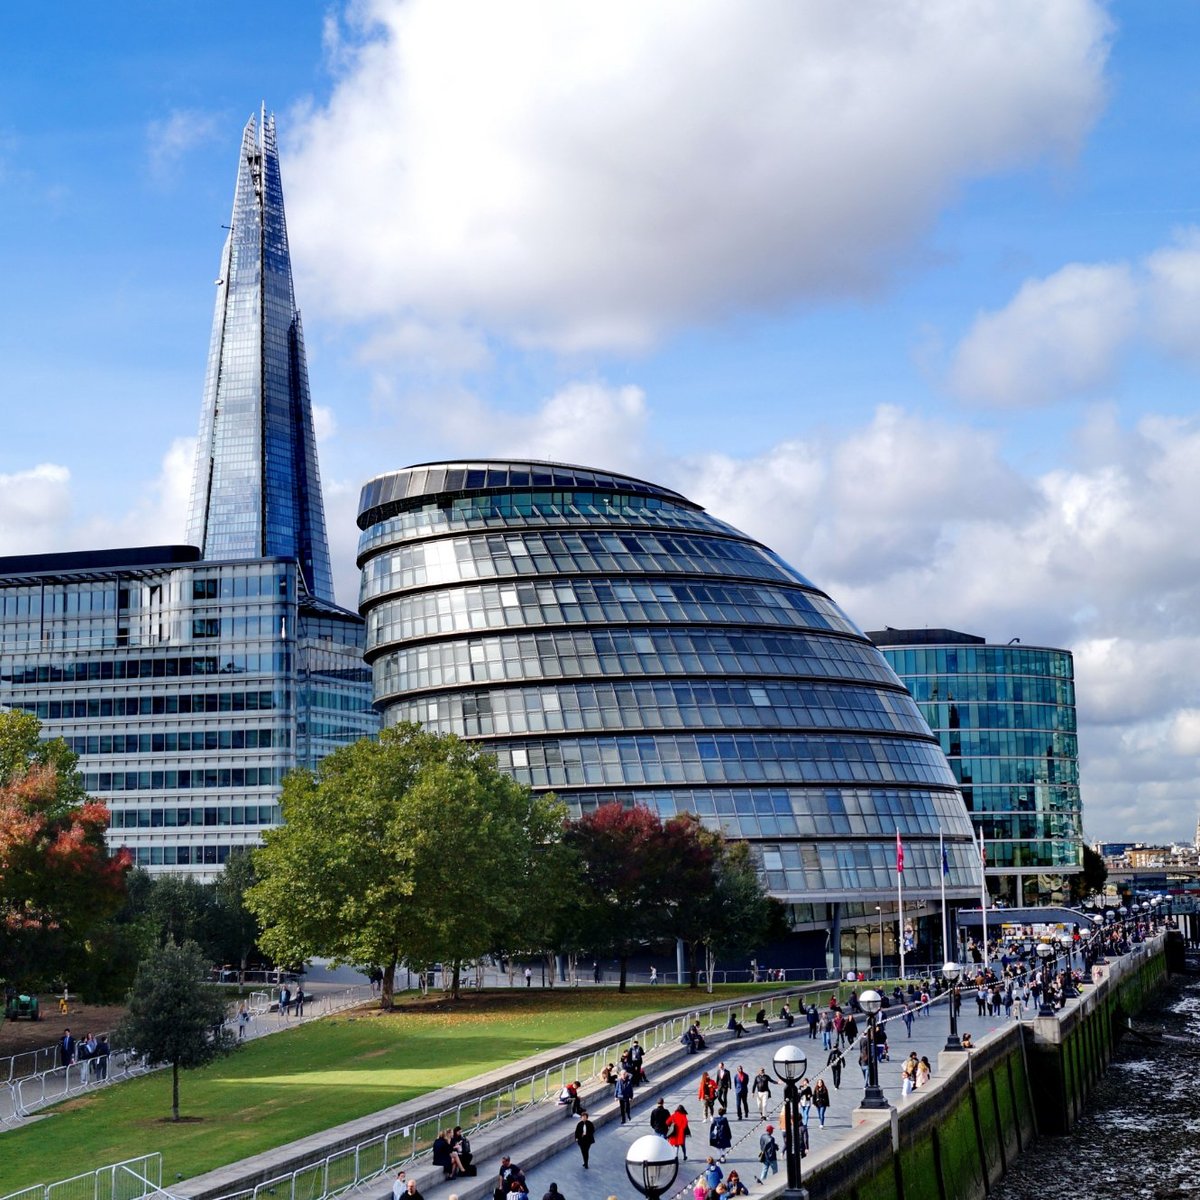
256 491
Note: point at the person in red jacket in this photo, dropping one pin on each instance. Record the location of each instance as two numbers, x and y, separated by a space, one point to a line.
677 1129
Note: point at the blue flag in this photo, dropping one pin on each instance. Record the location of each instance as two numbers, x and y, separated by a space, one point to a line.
945 862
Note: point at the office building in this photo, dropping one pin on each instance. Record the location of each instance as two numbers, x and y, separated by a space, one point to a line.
190 679
609 640
1005 718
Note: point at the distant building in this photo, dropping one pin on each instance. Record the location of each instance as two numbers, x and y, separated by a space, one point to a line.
609 640
190 679
1005 718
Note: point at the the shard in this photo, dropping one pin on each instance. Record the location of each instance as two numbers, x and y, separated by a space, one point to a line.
256 491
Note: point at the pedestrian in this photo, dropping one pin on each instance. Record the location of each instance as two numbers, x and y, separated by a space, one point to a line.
835 1062
907 1017
908 1075
585 1136
720 1136
805 1099
285 1001
552 1193
243 1020
637 1056
66 1049
761 1087
741 1092
723 1081
706 1093
102 1053
760 1018
813 1018
529 983
820 1101
658 1118
864 1055
298 1001
825 1025
734 1185
595 972
712 1173
924 1071
768 1153
624 1094
653 976
678 1129
399 1187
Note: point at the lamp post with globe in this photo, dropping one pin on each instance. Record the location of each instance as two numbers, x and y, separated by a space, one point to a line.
791 1063
873 1097
950 973
652 1164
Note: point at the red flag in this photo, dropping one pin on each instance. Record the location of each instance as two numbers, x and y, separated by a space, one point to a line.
982 851
899 853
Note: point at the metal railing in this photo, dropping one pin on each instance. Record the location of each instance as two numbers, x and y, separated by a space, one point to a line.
133 1179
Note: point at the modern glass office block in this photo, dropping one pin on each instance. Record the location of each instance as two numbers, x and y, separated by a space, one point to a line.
1005 718
188 688
256 490
609 640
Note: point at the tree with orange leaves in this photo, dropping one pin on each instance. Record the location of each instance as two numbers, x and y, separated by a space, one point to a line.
57 881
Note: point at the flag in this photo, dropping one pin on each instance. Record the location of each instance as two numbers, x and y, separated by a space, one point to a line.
945 862
982 851
899 852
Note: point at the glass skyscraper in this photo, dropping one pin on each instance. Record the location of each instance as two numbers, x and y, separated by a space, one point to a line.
257 490
609 640
190 679
1005 717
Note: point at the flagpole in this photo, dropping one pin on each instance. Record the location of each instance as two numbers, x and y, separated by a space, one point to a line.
983 896
942 864
900 894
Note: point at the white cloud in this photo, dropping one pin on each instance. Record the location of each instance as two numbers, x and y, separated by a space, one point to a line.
1173 289
586 175
1059 336
34 506
169 138
324 422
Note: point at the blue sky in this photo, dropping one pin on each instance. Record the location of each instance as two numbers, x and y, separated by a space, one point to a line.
911 291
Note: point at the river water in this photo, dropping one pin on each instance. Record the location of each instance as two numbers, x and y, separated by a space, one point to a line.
1141 1132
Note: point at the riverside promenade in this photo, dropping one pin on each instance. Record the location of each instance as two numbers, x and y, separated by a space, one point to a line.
544 1147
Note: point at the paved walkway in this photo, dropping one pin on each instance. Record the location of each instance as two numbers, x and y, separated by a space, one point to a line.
530 1141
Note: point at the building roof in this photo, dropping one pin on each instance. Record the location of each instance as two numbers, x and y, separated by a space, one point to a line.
72 561
923 637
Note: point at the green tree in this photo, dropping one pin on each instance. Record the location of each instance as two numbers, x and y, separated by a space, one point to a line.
174 1016
182 909
1090 881
412 847
237 928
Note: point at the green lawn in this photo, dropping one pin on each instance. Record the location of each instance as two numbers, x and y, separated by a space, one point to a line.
277 1089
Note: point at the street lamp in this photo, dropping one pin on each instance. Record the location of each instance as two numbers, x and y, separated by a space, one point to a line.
652 1164
950 973
1069 992
879 910
790 1065
1045 950
873 1097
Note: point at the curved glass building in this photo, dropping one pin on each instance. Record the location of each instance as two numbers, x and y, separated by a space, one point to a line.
1005 717
608 639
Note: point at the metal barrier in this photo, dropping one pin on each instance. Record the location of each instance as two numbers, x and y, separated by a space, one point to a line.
133 1179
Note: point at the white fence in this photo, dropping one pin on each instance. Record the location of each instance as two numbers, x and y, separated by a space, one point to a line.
133 1179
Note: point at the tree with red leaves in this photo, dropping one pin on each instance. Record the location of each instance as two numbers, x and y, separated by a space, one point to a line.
57 881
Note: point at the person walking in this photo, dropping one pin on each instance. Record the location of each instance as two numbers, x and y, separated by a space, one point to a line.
585 1137
820 1101
723 1080
720 1136
768 1154
399 1187
825 1025
865 1050
707 1094
813 1017
835 1062
761 1087
624 1093
678 1129
907 1017
659 1117
529 983
741 1092
805 1097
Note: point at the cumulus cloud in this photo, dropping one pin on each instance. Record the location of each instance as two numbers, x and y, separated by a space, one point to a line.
1059 336
34 506
169 138
583 176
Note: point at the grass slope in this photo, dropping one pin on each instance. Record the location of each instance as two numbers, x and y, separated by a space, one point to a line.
283 1087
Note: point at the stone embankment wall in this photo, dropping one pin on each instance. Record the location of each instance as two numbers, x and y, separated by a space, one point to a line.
953 1140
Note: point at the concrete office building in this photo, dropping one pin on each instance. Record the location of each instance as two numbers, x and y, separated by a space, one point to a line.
190 679
609 640
1005 718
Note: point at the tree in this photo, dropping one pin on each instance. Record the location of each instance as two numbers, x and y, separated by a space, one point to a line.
174 1016
1090 881
237 927
58 884
412 847
182 909
626 880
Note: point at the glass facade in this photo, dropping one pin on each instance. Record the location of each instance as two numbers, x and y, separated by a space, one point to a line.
609 640
256 490
1005 718
187 688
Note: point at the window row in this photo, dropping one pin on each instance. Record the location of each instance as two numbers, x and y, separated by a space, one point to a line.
1023 798
578 602
234 584
579 762
1053 717
625 653
143 781
270 625
1018 771
799 811
172 818
184 741
1003 689
521 510
29 671
681 704
181 856
461 559
981 660
980 743
135 706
